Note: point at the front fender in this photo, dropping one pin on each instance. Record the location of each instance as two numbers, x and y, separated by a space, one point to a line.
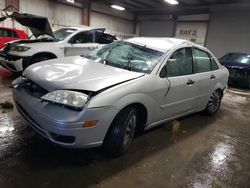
144 99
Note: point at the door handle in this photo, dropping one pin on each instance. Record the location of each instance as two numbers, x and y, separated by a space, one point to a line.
212 77
190 82
92 48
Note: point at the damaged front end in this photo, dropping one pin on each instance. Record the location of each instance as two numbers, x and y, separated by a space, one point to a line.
238 75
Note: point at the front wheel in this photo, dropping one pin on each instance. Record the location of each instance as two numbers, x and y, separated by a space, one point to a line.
121 132
214 103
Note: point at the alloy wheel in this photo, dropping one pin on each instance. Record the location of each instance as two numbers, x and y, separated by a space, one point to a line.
129 132
214 101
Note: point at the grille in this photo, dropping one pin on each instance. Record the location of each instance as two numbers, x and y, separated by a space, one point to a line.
34 89
235 73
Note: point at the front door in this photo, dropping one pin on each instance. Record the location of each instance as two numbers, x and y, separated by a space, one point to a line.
83 42
181 88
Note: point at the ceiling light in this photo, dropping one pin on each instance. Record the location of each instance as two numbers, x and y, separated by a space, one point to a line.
172 2
118 7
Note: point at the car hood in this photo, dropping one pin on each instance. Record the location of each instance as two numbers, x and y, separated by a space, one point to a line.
77 73
235 65
38 25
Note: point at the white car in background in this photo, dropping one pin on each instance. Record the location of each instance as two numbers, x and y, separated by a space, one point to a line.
68 41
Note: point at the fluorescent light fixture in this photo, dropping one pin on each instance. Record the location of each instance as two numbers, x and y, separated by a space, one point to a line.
71 1
118 7
172 2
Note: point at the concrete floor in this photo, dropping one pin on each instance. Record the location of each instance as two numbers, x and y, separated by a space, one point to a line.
206 152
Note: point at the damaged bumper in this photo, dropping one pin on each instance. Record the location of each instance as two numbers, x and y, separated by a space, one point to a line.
61 125
238 76
12 62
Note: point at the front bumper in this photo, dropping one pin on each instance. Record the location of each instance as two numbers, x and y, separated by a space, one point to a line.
237 76
61 125
242 81
12 62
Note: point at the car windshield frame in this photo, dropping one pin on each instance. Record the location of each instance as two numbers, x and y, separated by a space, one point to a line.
136 56
237 57
63 33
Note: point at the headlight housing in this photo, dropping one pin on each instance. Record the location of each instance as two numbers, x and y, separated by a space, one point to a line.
67 98
20 48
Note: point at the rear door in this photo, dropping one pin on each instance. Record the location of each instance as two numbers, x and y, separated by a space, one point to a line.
178 96
83 42
206 75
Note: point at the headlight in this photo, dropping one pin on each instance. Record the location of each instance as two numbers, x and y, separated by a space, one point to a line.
71 99
20 48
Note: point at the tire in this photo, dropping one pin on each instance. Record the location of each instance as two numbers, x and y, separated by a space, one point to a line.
38 58
214 103
121 132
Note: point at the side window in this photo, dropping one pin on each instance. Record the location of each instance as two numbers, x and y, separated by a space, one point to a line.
202 61
8 33
180 63
14 34
213 63
84 37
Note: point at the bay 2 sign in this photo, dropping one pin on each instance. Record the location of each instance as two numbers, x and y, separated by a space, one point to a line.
192 31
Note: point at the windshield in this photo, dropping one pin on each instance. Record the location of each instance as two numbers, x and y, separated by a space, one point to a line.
128 56
61 34
239 57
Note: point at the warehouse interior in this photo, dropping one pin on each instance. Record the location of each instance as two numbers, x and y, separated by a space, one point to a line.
192 151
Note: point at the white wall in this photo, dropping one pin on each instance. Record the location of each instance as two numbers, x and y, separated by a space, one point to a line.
120 23
119 26
156 28
156 25
229 31
58 14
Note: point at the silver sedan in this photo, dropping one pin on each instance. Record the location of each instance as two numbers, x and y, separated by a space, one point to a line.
117 90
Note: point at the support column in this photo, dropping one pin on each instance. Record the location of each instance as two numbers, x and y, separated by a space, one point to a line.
14 3
86 12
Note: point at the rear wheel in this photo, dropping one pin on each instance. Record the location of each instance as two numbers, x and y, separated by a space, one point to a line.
121 132
214 103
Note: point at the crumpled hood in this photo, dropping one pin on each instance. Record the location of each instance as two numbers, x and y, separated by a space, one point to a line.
77 73
235 65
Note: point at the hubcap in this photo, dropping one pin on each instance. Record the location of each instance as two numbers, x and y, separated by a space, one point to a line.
214 102
129 132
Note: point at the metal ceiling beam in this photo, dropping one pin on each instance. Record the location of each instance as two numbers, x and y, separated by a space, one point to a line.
134 3
150 3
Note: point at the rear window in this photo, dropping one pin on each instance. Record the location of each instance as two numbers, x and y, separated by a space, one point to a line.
8 33
202 60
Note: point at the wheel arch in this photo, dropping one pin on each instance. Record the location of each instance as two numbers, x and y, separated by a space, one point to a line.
220 87
44 53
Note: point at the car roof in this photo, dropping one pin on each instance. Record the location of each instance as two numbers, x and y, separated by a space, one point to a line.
14 29
83 28
161 44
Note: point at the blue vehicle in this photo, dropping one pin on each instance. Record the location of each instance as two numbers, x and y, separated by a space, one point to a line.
238 65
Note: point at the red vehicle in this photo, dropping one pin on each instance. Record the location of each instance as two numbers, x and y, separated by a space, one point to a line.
9 34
